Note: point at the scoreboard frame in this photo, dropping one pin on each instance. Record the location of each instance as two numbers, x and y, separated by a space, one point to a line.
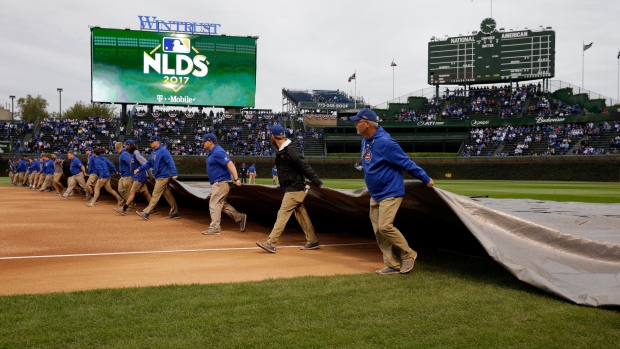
492 56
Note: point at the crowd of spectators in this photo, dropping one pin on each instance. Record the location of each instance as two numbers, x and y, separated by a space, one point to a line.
10 130
61 136
555 139
425 113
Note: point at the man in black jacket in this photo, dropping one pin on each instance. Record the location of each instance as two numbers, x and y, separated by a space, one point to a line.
292 167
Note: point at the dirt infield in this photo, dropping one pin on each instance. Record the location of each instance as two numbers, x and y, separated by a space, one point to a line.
51 245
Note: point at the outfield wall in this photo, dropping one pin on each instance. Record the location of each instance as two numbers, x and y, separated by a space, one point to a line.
597 168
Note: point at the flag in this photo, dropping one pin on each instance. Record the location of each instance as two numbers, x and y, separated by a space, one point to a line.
393 64
585 47
352 77
618 54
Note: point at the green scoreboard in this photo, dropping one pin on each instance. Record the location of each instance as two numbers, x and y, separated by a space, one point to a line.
492 56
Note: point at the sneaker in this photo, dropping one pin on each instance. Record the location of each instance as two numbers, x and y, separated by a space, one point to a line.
88 198
144 215
407 265
98 200
121 203
174 216
211 232
314 246
63 197
387 270
154 211
244 218
265 246
120 210
90 204
133 209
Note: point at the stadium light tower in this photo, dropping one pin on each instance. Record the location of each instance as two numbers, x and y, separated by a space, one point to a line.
12 108
59 102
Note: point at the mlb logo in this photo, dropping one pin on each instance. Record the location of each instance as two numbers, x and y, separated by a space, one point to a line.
176 45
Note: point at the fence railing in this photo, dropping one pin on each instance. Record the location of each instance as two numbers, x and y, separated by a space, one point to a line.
555 85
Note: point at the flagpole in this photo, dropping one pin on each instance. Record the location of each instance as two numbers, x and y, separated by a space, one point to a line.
583 55
355 74
618 98
392 81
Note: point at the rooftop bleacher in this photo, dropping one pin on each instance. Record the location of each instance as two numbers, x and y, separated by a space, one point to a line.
333 96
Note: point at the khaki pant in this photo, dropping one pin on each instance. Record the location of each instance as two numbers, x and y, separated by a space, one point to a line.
79 179
34 177
138 187
218 204
42 177
292 202
21 177
124 186
391 241
92 180
161 188
47 182
104 183
252 176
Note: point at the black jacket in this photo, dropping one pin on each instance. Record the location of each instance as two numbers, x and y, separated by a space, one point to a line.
292 167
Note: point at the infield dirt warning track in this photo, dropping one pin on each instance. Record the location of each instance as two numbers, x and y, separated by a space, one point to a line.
52 245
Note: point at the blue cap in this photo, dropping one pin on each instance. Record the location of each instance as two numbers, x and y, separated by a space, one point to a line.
61 157
130 142
36 157
278 130
209 137
89 149
365 114
154 139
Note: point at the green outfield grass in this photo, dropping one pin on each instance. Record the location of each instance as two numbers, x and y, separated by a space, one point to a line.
448 301
600 192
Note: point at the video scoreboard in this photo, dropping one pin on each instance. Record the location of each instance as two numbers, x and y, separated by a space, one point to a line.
492 56
167 68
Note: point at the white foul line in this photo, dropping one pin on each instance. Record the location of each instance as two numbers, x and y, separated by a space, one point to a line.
168 251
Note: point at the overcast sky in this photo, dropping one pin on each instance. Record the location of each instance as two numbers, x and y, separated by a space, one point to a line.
303 44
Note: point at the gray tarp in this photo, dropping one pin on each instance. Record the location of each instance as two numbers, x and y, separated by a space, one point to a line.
568 249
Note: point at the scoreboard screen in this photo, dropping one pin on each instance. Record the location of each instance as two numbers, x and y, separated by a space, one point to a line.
164 68
491 56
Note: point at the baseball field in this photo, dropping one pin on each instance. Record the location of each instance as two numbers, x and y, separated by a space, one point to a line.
79 277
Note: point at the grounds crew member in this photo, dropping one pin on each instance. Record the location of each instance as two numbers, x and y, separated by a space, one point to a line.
48 173
22 169
124 166
163 167
292 167
383 161
138 184
103 166
78 172
220 169
58 162
92 173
